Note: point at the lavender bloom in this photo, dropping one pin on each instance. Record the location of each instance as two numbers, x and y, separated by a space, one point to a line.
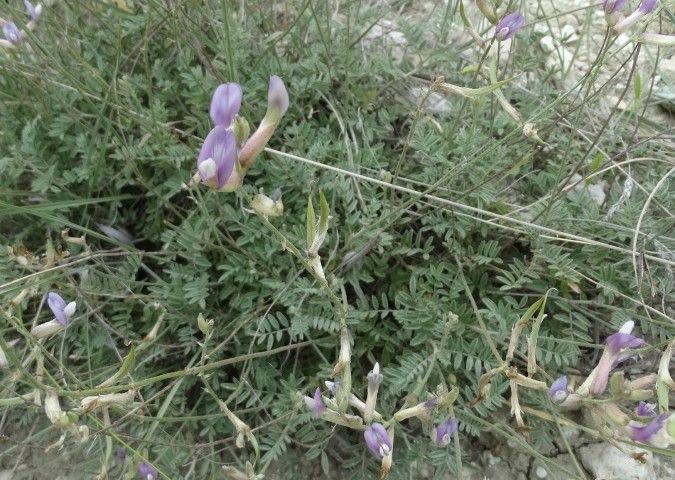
648 6
509 25
623 339
147 471
226 103
61 311
217 159
645 409
12 33
444 432
645 433
316 403
612 6
614 353
558 390
378 441
34 11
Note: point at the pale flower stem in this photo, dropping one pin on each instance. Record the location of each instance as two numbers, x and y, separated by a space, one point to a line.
343 367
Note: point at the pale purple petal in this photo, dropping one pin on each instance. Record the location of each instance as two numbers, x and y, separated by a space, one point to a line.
612 6
648 6
618 341
445 431
220 146
644 433
226 103
12 33
319 406
58 305
33 11
378 441
509 25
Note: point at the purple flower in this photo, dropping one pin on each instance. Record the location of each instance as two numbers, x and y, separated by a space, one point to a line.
443 433
277 97
645 409
558 391
378 441
620 340
612 6
648 6
147 471
62 311
645 433
226 103
614 353
217 158
33 11
316 403
509 25
12 33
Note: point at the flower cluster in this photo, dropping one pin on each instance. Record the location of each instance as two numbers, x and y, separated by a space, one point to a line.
13 35
617 21
228 151
378 434
644 425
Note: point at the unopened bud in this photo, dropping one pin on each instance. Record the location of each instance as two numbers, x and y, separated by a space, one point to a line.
205 326
268 206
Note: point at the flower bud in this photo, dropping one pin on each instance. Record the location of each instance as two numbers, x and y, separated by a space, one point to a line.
277 104
316 403
277 99
645 409
205 326
268 206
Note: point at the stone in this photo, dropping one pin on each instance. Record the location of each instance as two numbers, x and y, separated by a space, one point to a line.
603 460
568 34
547 43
